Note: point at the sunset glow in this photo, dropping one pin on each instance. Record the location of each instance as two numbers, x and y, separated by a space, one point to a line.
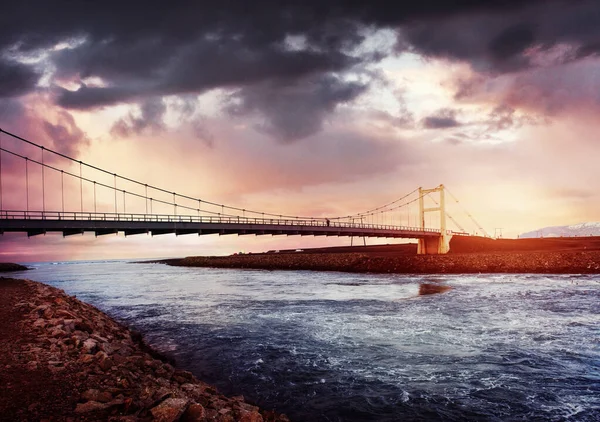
498 104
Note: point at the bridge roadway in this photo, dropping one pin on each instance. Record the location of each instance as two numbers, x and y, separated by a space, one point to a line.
70 223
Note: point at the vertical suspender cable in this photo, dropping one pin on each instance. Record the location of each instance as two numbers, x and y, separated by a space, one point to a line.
62 189
174 204
80 186
124 209
95 209
115 175
146 198
27 181
1 207
43 185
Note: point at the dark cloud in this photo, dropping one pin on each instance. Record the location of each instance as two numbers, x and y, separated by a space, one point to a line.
197 68
538 34
112 53
441 119
512 41
150 49
16 78
294 111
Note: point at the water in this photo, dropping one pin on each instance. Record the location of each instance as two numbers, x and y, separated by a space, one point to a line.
355 347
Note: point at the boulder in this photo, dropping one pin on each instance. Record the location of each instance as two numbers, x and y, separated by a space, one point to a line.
169 410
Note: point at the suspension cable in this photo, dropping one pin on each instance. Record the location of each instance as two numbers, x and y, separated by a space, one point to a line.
101 184
152 186
243 210
485 233
388 207
447 214
382 207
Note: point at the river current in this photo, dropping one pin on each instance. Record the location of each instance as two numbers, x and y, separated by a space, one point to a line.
326 346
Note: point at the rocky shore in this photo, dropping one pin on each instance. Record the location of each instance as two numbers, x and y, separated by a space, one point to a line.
548 262
468 254
64 360
9 266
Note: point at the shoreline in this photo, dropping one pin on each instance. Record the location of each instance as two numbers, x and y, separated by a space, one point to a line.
64 359
468 255
6 267
540 262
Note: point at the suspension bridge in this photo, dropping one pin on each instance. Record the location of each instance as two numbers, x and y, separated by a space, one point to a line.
43 190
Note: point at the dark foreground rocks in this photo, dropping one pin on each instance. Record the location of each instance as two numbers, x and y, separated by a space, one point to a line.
9 266
64 360
548 262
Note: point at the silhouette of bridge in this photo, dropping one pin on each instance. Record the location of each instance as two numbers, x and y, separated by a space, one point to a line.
44 184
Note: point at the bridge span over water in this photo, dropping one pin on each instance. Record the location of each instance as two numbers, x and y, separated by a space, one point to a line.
135 209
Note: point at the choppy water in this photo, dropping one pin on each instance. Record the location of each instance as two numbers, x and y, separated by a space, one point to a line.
355 347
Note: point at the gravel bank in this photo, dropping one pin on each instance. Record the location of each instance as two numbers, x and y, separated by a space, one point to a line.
549 262
62 359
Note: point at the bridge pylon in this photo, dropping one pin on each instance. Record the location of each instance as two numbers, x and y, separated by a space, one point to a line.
435 245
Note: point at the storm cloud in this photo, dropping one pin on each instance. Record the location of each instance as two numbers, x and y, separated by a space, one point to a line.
294 111
100 58
279 59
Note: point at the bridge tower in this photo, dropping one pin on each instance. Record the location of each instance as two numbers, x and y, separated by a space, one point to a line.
441 244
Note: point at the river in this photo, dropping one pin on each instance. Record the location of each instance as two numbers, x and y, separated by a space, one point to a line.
326 346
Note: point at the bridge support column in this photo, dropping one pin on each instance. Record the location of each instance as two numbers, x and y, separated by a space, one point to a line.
439 244
434 245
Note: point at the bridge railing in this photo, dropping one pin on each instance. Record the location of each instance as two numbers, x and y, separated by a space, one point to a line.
166 218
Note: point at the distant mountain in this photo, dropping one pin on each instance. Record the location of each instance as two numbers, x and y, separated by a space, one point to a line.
575 230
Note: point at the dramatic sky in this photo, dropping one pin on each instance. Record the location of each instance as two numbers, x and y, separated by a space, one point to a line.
306 107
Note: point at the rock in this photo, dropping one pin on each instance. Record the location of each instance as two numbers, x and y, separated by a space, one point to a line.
105 397
245 416
194 413
186 375
40 323
90 346
106 347
55 369
161 394
99 339
90 395
106 364
86 358
84 326
48 313
121 378
90 406
169 410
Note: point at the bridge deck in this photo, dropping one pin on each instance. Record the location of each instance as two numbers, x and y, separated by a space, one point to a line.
35 223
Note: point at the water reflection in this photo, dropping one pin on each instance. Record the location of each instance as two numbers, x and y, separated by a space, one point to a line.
431 289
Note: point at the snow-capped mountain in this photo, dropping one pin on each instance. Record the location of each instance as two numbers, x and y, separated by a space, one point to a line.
582 229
